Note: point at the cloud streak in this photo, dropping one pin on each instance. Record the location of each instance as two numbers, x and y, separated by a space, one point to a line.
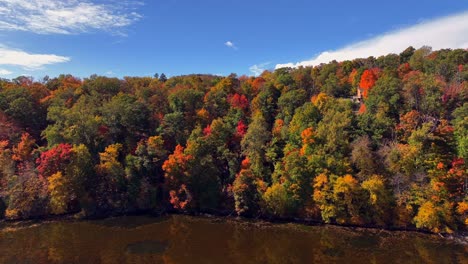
65 16
446 32
28 61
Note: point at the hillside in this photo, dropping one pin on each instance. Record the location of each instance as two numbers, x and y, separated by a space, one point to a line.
372 142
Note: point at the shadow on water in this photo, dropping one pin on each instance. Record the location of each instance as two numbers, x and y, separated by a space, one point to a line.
129 222
367 242
148 247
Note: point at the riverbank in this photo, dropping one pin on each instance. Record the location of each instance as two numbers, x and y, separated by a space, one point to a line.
177 238
460 237
259 222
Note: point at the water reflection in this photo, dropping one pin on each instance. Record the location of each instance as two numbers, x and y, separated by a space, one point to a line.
147 247
182 239
129 222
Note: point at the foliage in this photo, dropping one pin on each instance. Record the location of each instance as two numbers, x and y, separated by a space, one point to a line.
245 191
290 143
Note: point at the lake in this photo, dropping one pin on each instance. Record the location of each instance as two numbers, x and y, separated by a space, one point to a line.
186 239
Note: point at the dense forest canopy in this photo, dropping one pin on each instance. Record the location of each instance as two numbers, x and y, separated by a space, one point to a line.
376 142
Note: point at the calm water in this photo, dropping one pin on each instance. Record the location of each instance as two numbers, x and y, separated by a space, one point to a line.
183 239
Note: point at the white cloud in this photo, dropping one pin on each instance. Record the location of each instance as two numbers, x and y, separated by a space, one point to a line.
28 61
258 69
109 73
5 72
65 16
230 44
446 32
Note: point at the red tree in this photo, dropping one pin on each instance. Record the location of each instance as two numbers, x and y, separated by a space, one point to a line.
175 168
241 129
368 79
238 101
54 160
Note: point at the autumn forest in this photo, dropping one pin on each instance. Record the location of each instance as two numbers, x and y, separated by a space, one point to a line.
379 142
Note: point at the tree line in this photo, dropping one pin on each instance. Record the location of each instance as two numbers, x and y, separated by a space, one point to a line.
288 143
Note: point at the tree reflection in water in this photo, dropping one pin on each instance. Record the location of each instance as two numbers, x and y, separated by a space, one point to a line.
184 239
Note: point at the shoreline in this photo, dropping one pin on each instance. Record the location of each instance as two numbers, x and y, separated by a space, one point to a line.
458 238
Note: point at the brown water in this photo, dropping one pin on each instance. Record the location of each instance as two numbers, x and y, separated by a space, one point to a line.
184 239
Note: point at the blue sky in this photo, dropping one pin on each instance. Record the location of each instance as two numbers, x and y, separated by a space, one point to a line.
140 38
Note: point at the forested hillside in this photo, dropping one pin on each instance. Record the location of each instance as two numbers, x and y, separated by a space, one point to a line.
290 143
